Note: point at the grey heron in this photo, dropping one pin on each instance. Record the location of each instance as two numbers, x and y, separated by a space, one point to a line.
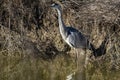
73 37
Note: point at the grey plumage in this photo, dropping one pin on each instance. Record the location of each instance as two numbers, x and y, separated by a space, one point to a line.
72 36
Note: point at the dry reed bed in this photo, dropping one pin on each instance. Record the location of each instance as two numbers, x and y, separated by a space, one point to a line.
31 27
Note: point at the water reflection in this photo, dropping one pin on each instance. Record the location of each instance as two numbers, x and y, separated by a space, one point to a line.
70 76
62 67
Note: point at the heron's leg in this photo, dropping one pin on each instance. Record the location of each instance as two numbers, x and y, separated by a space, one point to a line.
76 55
80 64
86 59
76 58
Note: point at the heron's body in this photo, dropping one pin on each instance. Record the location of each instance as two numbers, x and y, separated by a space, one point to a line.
70 35
75 38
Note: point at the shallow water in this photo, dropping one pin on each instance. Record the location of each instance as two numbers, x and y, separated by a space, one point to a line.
62 67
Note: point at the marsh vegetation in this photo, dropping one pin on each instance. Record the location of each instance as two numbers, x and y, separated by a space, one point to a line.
31 47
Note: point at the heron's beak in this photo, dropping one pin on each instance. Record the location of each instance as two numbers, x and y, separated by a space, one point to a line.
52 5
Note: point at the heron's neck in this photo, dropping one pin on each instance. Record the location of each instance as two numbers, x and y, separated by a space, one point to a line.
61 23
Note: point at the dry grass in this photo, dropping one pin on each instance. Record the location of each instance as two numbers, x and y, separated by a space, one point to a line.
29 38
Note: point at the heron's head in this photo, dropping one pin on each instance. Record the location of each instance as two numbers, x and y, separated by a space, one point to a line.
56 6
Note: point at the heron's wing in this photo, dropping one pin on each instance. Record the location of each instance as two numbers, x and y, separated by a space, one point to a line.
76 38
